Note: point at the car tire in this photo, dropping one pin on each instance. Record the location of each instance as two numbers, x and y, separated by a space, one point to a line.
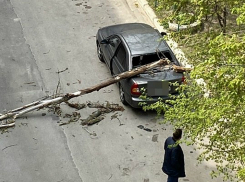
122 95
99 53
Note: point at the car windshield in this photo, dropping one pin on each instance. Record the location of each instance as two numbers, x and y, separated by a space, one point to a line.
149 58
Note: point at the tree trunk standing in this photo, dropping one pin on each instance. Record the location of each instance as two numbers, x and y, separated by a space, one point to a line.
221 19
224 19
9 117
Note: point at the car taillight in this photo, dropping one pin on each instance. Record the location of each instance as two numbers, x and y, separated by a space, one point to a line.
135 90
183 80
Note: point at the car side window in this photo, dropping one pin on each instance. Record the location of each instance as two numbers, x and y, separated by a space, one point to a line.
121 56
114 42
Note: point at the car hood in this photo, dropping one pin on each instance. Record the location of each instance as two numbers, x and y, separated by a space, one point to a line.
117 29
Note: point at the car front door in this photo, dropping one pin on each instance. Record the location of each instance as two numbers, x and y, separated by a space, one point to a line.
110 48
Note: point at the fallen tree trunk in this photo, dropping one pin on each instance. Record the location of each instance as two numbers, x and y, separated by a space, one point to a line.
8 119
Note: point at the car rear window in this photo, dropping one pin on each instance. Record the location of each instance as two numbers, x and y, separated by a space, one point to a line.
149 58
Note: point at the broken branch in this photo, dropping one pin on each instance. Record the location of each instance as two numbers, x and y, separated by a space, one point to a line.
45 103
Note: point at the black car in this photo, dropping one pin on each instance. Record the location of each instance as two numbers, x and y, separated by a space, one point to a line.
127 46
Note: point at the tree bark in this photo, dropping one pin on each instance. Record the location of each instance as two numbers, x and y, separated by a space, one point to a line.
221 19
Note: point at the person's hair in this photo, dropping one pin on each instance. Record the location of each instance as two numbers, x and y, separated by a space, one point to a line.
177 134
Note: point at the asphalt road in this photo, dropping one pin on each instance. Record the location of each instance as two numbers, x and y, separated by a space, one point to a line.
40 39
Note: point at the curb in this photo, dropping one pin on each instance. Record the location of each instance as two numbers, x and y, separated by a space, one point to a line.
174 46
151 14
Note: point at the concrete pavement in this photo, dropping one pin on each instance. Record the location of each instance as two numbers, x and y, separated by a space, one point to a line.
36 149
54 35
151 14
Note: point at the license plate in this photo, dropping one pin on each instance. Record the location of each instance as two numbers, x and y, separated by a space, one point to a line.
158 88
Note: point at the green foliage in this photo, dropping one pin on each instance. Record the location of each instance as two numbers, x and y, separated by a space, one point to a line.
241 173
241 14
211 106
180 18
184 18
203 10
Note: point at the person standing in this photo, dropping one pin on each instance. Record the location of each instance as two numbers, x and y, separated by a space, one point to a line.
173 164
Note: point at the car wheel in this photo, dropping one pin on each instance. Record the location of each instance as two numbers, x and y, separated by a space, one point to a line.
99 53
122 95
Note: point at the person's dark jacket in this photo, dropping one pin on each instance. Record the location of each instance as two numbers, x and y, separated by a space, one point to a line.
173 164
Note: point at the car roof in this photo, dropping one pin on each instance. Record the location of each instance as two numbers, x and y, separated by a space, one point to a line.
140 38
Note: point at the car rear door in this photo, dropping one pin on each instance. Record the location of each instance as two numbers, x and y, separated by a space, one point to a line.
109 49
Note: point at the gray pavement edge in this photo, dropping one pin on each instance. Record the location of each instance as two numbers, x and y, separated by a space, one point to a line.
151 14
153 18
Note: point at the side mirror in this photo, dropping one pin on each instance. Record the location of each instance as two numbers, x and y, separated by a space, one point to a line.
105 41
163 33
